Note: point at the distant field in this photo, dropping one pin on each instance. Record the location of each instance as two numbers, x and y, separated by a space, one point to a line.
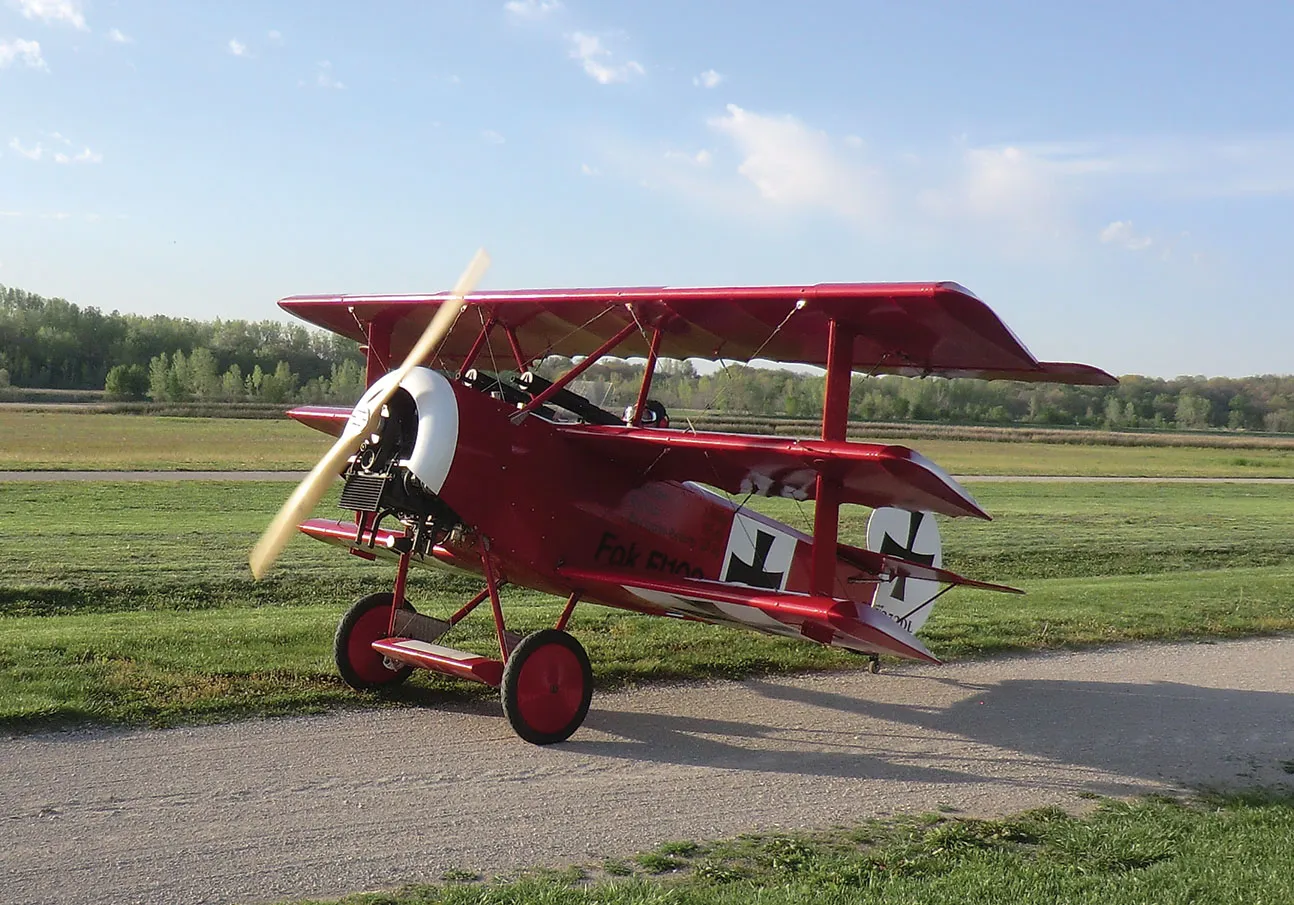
76 441
131 602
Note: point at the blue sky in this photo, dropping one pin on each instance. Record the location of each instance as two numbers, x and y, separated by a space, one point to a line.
1115 179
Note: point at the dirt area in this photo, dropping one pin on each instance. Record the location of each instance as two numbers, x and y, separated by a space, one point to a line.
345 802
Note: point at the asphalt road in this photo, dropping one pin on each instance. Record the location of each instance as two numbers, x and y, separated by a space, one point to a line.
332 804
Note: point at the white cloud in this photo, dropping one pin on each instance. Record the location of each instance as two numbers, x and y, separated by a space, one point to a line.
20 51
532 9
492 137
1025 192
324 77
1218 167
1120 232
117 36
35 152
596 60
1008 182
68 11
238 48
589 171
793 165
707 79
86 156
274 36
855 142
702 158
1169 166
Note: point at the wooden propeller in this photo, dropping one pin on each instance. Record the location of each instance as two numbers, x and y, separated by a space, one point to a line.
361 424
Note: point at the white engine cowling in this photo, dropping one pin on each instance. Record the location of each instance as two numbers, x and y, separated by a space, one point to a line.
437 430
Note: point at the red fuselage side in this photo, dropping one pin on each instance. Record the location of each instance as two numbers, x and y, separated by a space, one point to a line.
546 504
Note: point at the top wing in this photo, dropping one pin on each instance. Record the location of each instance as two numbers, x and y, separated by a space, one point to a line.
912 329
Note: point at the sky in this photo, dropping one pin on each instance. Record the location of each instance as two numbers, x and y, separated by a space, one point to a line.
1115 179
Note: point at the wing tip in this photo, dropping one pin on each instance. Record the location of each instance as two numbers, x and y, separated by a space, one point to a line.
1077 374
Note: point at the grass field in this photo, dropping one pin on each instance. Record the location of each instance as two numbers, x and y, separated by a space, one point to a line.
1165 851
78 441
131 603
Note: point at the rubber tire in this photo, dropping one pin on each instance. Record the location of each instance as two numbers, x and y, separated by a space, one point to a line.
347 647
562 658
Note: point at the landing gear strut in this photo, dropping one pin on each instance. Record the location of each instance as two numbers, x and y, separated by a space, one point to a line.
544 679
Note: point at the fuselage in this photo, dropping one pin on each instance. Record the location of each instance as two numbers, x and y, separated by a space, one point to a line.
543 503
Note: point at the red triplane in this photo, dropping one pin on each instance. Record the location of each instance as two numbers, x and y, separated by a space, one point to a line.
465 457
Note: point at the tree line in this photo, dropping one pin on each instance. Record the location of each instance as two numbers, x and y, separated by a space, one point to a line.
54 343
1263 403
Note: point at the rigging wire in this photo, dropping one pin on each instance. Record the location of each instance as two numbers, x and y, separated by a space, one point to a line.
728 379
555 343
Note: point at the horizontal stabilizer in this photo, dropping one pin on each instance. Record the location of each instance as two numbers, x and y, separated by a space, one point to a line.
887 567
872 474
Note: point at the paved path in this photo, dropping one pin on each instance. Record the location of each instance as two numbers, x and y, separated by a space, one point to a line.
296 476
332 804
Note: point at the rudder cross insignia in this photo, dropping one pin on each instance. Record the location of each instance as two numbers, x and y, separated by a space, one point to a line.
891 547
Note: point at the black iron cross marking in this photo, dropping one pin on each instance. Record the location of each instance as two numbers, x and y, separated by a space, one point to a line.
891 547
753 573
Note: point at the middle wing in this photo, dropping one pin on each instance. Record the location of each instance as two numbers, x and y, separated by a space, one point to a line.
872 474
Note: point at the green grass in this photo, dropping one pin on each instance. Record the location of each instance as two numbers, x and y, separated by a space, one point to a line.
83 441
1217 849
987 457
131 603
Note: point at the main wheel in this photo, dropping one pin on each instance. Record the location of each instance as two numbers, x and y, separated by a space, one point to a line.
361 667
547 686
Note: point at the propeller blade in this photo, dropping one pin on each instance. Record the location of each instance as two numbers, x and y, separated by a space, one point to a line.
308 493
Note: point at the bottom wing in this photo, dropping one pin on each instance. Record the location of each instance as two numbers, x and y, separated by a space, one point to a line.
826 620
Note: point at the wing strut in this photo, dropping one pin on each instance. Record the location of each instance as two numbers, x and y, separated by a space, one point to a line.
561 382
835 421
648 369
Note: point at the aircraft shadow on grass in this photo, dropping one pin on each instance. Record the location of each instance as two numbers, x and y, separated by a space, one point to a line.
1164 732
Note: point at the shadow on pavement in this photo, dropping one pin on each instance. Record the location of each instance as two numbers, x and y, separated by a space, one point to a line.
1158 732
